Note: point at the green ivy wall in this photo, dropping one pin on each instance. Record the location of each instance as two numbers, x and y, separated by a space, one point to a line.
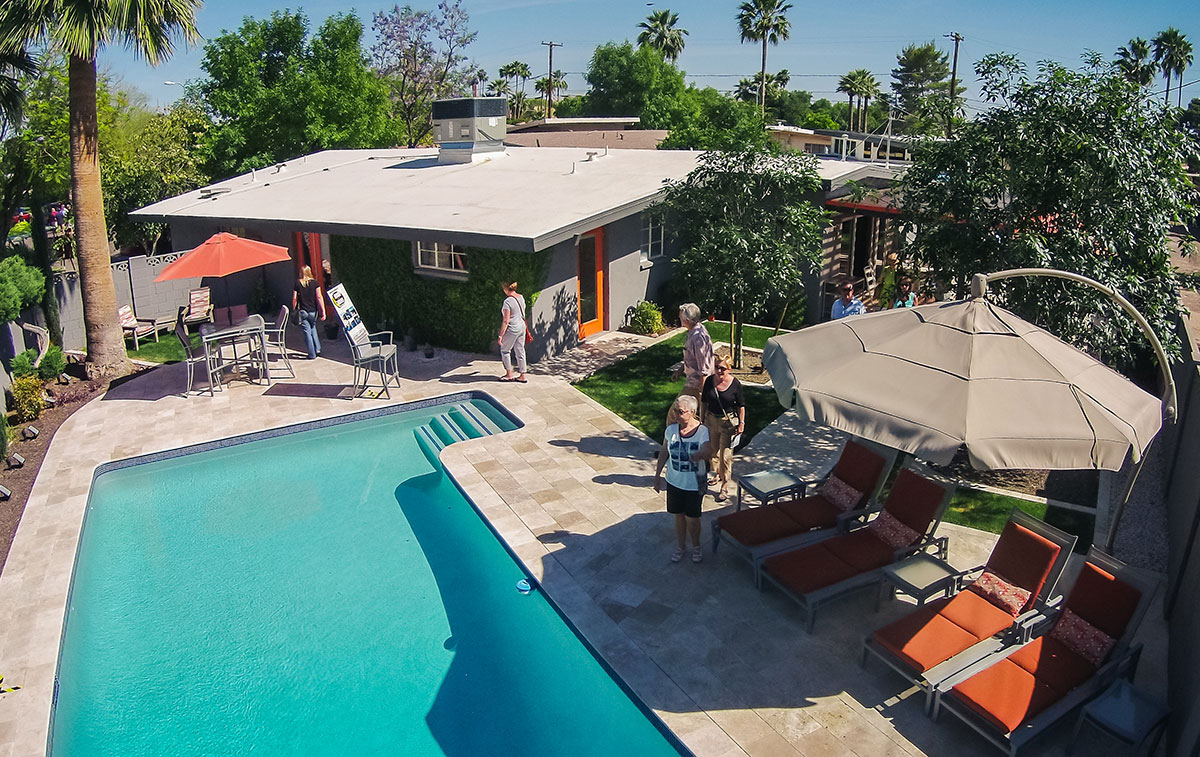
460 315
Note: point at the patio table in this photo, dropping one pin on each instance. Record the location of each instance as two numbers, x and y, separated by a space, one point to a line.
767 486
249 332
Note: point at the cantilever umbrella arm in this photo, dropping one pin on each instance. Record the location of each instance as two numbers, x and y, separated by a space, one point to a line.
979 284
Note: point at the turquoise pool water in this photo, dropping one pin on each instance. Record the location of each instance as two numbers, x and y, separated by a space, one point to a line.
322 592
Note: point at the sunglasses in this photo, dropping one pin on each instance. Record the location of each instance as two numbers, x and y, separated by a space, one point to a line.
722 369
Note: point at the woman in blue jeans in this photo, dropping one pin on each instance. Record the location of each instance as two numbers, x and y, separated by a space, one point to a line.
308 300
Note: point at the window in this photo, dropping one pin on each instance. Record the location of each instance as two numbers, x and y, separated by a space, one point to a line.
652 236
440 256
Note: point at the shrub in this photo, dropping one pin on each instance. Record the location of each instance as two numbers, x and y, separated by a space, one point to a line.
646 318
19 229
27 398
53 364
22 365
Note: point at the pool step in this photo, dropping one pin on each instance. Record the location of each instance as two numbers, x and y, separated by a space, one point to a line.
458 424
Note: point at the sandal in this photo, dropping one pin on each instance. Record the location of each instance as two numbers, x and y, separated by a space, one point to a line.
506 378
677 555
722 496
697 555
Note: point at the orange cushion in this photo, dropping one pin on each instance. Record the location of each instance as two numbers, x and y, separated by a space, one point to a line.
976 615
1006 695
859 467
1103 600
808 569
923 638
861 549
1052 661
810 513
759 525
914 500
1023 558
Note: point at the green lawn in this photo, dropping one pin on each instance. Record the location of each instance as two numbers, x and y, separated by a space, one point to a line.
640 390
166 350
988 512
754 337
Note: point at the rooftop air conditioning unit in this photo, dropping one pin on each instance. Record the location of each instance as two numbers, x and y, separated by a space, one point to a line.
469 127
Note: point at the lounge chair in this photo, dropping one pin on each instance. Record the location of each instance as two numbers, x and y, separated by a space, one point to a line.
1000 604
821 572
199 308
135 327
1015 694
275 339
374 352
756 533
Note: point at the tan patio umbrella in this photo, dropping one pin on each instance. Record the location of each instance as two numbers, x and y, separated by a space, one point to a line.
931 379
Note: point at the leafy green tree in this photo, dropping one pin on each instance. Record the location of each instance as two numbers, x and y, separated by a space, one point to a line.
1135 63
659 31
419 54
790 107
704 119
764 21
1072 170
80 28
273 93
921 73
21 285
751 230
163 161
628 81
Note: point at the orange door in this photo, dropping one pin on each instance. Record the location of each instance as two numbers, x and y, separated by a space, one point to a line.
590 252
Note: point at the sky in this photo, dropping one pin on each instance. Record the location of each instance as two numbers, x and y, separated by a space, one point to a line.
827 39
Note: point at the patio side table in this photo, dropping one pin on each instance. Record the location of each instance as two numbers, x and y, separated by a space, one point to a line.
920 577
768 485
1126 714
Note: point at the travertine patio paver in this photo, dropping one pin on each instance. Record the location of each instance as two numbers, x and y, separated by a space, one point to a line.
728 668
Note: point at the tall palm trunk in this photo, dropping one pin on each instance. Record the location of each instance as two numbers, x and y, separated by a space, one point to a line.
105 344
1167 100
762 83
850 112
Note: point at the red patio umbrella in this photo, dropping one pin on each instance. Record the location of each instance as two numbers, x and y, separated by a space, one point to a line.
222 254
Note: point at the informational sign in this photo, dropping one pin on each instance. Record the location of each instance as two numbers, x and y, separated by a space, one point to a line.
349 315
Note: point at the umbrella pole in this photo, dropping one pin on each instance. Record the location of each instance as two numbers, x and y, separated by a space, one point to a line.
1124 500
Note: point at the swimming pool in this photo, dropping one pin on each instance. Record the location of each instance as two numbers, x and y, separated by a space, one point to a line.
328 590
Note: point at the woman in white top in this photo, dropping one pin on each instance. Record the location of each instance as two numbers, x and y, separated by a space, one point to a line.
687 449
512 332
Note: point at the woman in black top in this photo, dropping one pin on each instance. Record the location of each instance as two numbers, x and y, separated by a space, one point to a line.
308 300
724 413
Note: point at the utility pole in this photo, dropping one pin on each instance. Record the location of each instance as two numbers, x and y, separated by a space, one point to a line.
953 83
550 78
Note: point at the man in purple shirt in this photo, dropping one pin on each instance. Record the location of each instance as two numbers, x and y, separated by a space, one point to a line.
697 354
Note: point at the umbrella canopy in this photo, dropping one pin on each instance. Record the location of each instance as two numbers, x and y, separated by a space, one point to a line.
931 379
221 255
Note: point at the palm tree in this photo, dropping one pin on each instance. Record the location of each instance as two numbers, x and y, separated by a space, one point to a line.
846 84
80 28
865 86
1134 62
1170 47
764 21
659 32
543 87
499 88
13 63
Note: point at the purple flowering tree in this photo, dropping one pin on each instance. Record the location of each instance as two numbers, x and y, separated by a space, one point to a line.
419 55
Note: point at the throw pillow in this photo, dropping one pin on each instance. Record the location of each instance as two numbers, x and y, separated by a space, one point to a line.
840 494
892 532
1008 597
1083 638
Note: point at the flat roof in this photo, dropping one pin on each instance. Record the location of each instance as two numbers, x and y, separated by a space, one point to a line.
523 199
581 122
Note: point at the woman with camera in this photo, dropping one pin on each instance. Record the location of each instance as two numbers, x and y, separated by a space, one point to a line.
723 410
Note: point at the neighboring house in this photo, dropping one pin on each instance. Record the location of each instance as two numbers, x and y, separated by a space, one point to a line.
847 144
603 132
422 238
801 140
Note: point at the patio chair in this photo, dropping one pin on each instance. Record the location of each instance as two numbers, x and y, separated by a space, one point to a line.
999 606
197 357
199 308
861 469
1015 694
135 327
819 573
275 339
372 352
